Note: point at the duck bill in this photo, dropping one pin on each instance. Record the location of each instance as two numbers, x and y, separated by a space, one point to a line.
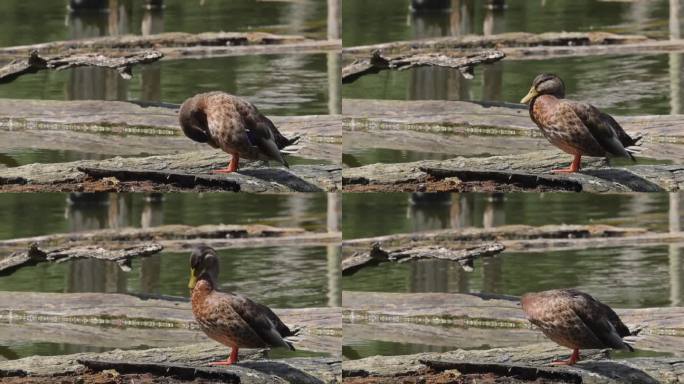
530 95
193 279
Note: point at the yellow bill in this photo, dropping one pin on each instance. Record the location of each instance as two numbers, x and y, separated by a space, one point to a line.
193 279
530 95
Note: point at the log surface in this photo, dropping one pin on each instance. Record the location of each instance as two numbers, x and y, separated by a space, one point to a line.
523 172
186 171
515 365
141 129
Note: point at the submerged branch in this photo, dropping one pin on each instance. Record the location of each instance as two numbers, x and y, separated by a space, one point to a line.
35 63
378 62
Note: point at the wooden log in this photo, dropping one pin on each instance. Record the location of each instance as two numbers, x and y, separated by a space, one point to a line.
485 119
35 255
377 255
511 365
181 363
525 46
35 62
377 62
523 172
481 311
95 315
176 45
523 238
186 171
140 128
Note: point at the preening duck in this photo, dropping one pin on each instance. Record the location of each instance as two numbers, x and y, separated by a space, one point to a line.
234 125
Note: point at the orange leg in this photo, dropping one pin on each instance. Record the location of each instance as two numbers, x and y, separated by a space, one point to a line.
231 360
232 166
575 357
574 167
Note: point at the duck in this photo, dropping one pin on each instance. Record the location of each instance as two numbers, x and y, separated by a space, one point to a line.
575 320
234 125
229 318
577 128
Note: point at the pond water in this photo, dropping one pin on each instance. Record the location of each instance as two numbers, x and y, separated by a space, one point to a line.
635 84
624 277
254 272
294 84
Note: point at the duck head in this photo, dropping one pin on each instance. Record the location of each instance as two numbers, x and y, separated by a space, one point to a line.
204 265
545 84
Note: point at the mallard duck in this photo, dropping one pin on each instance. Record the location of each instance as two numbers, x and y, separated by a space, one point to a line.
574 127
575 320
234 125
229 318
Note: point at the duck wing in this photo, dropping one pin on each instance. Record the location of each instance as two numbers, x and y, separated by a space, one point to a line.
262 320
281 141
607 132
600 319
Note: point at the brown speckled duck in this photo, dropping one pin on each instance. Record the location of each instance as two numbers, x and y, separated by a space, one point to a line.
574 127
234 125
575 320
231 319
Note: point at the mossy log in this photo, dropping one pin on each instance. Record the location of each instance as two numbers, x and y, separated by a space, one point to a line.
445 319
179 237
524 45
187 363
34 63
178 45
377 255
186 171
523 172
377 62
520 237
138 128
105 320
35 255
512 365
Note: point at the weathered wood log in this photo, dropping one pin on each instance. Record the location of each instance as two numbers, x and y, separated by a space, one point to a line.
35 255
481 311
186 171
35 62
523 45
178 237
182 363
104 318
140 128
377 255
463 117
377 62
523 238
524 172
176 45
511 365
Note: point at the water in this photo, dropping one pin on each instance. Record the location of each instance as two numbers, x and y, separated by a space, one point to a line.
301 273
295 84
